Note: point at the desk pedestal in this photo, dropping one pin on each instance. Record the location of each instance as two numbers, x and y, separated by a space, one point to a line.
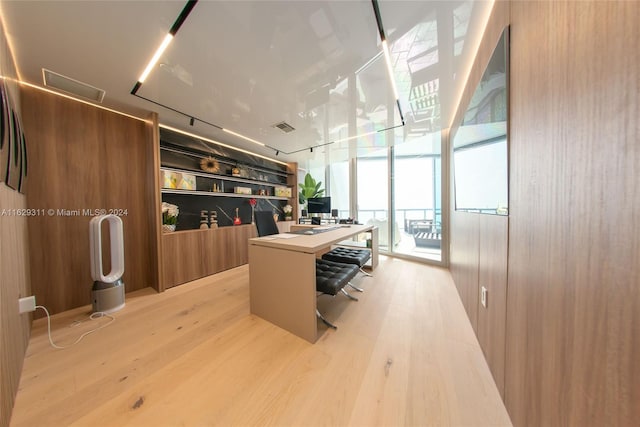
283 289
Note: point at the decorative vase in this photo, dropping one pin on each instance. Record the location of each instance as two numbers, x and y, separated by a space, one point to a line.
168 228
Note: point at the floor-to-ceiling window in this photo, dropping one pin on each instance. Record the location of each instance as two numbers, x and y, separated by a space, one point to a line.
383 137
417 197
339 187
373 193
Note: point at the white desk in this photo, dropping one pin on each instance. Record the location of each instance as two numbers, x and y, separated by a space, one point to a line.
282 276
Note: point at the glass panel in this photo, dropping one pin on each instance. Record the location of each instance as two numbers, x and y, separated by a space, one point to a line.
373 194
339 188
417 198
480 143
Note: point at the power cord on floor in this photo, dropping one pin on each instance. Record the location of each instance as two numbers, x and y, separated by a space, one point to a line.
93 316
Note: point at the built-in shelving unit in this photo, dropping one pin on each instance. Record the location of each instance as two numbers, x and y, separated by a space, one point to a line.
222 178
227 192
192 252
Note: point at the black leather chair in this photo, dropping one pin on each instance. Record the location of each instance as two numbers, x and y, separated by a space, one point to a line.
331 278
265 224
358 257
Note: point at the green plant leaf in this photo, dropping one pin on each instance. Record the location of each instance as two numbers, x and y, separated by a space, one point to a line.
309 189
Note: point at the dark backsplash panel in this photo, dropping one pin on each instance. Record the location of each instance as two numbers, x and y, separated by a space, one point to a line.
225 207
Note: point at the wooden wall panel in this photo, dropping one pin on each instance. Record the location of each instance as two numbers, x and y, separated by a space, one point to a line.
573 336
82 157
465 227
14 283
492 274
464 262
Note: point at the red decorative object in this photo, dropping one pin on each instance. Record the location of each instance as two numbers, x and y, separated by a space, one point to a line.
253 202
236 220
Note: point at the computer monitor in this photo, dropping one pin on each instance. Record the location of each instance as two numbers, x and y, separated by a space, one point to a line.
319 205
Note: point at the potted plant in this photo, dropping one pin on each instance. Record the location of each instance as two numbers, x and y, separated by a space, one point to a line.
169 217
309 189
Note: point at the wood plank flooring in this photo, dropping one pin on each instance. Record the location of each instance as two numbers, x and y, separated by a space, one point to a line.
405 354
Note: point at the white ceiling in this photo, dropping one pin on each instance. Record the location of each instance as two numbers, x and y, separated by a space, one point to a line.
247 65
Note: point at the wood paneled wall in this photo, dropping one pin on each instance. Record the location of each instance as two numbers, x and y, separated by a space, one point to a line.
465 258
82 157
573 334
492 274
14 283
479 242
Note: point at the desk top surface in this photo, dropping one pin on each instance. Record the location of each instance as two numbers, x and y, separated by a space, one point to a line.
310 243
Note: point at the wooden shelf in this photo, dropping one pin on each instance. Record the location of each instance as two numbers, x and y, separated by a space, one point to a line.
225 177
196 154
219 194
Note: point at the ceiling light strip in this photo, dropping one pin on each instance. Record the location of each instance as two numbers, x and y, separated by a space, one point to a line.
155 58
243 137
356 136
193 135
387 57
165 42
31 85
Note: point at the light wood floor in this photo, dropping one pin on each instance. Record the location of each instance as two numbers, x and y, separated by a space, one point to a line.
405 354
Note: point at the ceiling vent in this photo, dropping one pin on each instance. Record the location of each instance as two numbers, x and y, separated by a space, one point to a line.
284 127
71 86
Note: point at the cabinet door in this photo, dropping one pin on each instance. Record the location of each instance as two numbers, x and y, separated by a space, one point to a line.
182 257
226 247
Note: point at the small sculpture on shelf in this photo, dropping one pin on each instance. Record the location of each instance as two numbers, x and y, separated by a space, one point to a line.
253 203
204 220
236 220
213 219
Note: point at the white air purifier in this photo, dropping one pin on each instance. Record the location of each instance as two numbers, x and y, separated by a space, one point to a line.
107 294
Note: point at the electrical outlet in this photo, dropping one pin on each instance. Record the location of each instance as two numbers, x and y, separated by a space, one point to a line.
27 304
483 296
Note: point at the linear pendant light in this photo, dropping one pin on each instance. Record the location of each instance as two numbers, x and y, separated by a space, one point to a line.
165 42
180 20
156 57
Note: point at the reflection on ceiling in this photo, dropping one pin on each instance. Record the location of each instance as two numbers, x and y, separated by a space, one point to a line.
247 66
